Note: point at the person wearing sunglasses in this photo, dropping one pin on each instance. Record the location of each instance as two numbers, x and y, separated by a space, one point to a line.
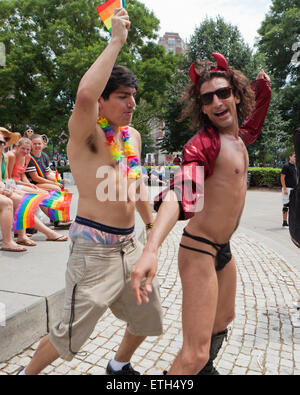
15 196
229 113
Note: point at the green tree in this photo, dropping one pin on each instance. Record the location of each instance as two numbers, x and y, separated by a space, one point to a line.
279 43
225 38
274 138
278 33
211 36
49 46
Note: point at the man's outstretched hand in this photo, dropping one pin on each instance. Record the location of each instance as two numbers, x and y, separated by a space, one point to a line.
145 268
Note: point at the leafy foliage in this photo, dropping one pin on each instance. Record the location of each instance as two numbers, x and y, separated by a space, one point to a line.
264 177
51 43
210 36
279 43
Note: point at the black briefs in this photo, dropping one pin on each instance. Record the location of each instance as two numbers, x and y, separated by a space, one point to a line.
223 255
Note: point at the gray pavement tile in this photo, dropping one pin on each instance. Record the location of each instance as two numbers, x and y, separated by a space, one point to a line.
262 339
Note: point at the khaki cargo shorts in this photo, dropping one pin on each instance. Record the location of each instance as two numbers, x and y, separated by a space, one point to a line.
97 278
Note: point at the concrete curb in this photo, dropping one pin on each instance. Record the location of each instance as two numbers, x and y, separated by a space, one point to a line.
32 289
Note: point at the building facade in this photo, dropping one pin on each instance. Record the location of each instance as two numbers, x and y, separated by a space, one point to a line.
172 42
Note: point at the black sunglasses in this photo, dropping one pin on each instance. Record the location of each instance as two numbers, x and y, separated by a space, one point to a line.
2 142
222 93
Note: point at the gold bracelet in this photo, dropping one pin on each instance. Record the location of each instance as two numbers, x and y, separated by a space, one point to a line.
149 226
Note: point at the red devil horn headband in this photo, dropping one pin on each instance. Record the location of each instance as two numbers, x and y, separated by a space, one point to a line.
222 65
194 75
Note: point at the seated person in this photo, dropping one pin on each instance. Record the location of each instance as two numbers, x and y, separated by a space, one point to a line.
8 138
28 133
38 170
6 223
18 160
144 174
39 173
155 177
45 140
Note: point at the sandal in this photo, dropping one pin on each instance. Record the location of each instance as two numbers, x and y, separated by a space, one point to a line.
27 243
20 249
60 238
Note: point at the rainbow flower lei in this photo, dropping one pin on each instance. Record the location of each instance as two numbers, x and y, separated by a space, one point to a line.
132 169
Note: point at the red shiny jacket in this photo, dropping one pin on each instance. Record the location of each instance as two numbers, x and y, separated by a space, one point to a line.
203 149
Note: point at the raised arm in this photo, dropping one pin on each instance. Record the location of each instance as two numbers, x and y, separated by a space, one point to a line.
252 127
84 117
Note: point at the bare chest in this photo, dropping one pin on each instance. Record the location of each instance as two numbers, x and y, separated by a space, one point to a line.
233 159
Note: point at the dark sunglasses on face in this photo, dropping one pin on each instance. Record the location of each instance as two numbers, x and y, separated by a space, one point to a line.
222 93
2 142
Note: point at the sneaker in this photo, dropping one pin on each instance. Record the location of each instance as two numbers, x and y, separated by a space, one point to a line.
297 305
20 371
62 224
31 231
285 225
127 370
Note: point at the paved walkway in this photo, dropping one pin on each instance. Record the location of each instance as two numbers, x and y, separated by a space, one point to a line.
264 337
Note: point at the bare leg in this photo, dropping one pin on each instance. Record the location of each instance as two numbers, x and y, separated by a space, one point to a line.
46 353
49 187
6 221
49 233
225 314
128 346
200 296
226 300
44 356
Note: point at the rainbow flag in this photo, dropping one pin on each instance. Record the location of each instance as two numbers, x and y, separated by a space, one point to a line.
57 177
57 200
106 11
58 203
59 215
24 215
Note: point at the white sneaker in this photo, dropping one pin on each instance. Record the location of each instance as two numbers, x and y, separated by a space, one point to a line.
297 305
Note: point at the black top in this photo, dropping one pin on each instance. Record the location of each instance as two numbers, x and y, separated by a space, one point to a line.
43 162
290 175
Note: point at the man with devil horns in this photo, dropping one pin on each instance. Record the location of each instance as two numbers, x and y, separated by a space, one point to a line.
230 112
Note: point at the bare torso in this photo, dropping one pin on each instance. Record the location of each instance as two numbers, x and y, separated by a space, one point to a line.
224 193
93 168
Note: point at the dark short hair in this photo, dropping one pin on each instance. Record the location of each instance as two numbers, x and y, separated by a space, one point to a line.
120 76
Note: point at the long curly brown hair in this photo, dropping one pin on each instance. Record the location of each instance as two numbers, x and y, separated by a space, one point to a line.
191 96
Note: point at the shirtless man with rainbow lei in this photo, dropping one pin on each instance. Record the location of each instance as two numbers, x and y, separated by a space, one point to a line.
104 247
